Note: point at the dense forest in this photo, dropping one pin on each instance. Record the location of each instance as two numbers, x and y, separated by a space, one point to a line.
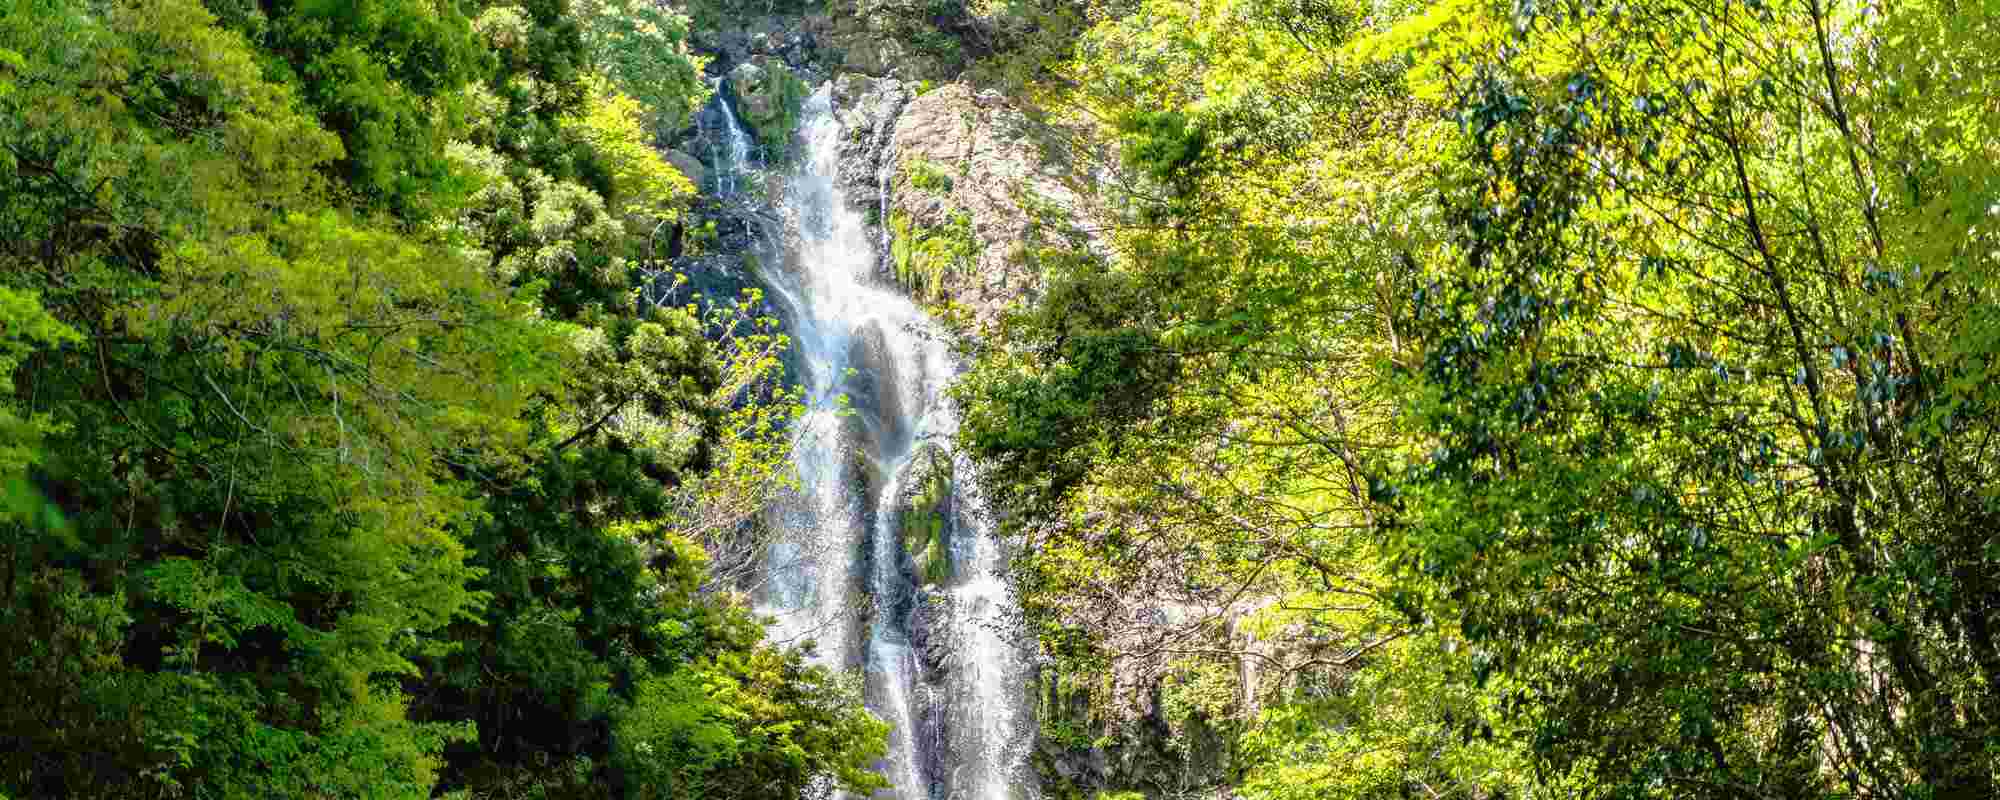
1466 399
1529 399
342 457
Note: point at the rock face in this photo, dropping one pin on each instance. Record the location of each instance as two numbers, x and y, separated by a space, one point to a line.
743 30
1086 751
908 39
689 166
868 108
871 390
968 163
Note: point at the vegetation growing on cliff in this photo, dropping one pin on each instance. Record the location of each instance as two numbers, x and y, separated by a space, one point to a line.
923 257
342 453
923 522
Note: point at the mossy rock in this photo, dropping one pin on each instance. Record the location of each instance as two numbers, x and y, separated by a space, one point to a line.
924 514
769 97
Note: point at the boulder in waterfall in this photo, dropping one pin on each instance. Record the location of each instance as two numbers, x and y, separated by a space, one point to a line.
689 166
749 80
850 87
872 389
867 108
768 94
931 635
866 105
926 514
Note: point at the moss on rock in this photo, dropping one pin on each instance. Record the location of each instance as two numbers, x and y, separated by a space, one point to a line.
769 98
924 509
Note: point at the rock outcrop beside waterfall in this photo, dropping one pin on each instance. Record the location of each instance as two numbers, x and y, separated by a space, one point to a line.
967 162
963 177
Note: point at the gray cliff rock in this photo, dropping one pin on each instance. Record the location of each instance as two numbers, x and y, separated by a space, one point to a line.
868 108
689 166
910 39
746 30
967 163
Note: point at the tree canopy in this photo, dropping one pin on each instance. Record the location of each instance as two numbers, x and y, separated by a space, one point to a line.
340 457
1476 399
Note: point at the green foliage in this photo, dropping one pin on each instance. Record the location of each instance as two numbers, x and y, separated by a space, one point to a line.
336 457
643 47
925 257
1523 399
1162 145
643 185
1405 723
1705 417
922 524
787 97
382 75
929 177
746 726
939 44
25 327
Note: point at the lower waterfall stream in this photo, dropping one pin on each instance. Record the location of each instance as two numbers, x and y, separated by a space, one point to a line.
931 637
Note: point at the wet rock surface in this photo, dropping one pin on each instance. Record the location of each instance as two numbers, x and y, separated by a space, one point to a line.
689 166
871 389
744 30
868 109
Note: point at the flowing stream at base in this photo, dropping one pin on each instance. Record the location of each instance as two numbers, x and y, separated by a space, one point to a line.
939 662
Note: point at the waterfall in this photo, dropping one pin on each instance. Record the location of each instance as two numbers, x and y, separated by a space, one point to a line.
939 664
733 161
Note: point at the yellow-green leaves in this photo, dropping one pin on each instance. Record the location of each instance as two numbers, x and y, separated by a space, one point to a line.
11 62
25 327
1190 423
642 49
1679 335
644 185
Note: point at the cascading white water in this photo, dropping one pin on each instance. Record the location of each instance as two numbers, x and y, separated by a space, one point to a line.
735 157
838 574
